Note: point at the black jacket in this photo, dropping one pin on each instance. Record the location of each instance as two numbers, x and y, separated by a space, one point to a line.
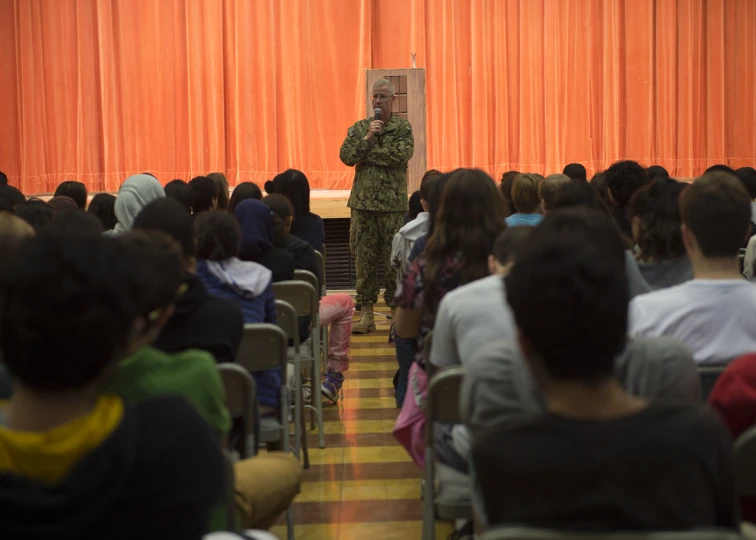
277 260
203 322
158 475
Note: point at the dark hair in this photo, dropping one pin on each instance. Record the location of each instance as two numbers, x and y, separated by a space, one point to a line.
657 171
294 185
506 189
657 206
221 185
426 183
280 209
549 188
103 208
471 217
169 217
575 171
205 192
156 279
218 236
414 206
509 244
75 190
434 200
598 182
623 179
11 196
13 232
180 191
242 192
747 175
76 221
717 210
579 194
61 203
3 179
58 290
719 167
525 190
573 269
35 212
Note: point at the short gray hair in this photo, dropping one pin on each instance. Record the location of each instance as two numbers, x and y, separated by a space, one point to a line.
386 83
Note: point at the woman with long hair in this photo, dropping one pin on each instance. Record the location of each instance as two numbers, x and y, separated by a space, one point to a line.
293 184
471 217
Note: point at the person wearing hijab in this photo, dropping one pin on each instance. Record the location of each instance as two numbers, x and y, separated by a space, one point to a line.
135 193
257 234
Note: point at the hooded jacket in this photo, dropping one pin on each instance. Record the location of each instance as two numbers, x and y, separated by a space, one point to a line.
257 240
135 193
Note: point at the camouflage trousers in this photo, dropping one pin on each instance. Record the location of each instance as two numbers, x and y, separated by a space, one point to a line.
370 236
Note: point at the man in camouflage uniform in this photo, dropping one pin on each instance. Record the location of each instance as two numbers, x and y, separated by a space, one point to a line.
379 150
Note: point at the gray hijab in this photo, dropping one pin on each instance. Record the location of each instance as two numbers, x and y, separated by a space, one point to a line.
135 193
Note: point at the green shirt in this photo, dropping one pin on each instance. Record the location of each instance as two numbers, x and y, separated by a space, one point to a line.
192 374
380 178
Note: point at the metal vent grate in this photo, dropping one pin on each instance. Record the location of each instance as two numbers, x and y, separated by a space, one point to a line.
340 271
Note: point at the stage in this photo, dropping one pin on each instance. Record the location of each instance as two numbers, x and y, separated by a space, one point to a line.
330 203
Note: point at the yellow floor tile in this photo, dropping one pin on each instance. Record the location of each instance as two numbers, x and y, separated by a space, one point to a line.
374 454
364 490
355 531
326 456
319 492
368 383
374 351
357 426
370 403
367 338
322 531
408 488
372 366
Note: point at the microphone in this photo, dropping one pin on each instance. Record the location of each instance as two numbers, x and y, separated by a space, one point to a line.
378 113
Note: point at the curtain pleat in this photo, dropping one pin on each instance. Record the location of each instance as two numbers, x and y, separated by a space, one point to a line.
97 90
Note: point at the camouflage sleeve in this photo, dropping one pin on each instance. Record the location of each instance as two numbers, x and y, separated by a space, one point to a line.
355 147
396 153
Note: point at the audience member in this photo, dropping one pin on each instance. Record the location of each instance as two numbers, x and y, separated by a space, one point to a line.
10 197
654 211
35 212
335 310
103 208
242 192
205 194
435 194
598 182
469 221
657 171
469 316
199 321
506 190
257 240
575 171
747 175
526 200
599 458
81 462
74 190
3 179
134 194
75 221
414 207
548 189
711 314
623 179
306 225
13 232
249 284
181 192
719 168
221 185
62 203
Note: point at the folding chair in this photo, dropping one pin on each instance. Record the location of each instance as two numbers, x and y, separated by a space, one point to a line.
241 402
527 533
287 320
324 330
306 301
709 375
745 463
265 346
441 405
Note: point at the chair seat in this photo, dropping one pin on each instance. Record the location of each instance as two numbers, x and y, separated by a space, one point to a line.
270 429
453 493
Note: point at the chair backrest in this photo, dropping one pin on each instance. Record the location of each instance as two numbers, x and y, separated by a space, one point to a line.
442 401
240 389
302 296
308 277
745 463
709 376
526 533
286 316
263 346
321 257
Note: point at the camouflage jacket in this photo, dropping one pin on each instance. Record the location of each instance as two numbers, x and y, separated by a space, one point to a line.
380 178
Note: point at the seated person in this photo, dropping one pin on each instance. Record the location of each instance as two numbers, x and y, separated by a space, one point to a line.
335 310
77 191
199 321
575 171
525 188
36 213
599 459
74 461
103 208
293 184
623 179
205 194
549 189
133 195
242 192
257 233
713 313
414 207
247 283
265 485
180 191
655 218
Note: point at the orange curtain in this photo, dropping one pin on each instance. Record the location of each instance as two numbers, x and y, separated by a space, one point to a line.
96 90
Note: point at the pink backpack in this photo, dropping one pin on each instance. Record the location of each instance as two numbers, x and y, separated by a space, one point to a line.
409 429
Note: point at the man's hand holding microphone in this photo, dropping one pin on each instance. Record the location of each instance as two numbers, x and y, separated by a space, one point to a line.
376 126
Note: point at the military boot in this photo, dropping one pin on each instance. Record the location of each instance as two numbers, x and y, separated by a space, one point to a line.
367 321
